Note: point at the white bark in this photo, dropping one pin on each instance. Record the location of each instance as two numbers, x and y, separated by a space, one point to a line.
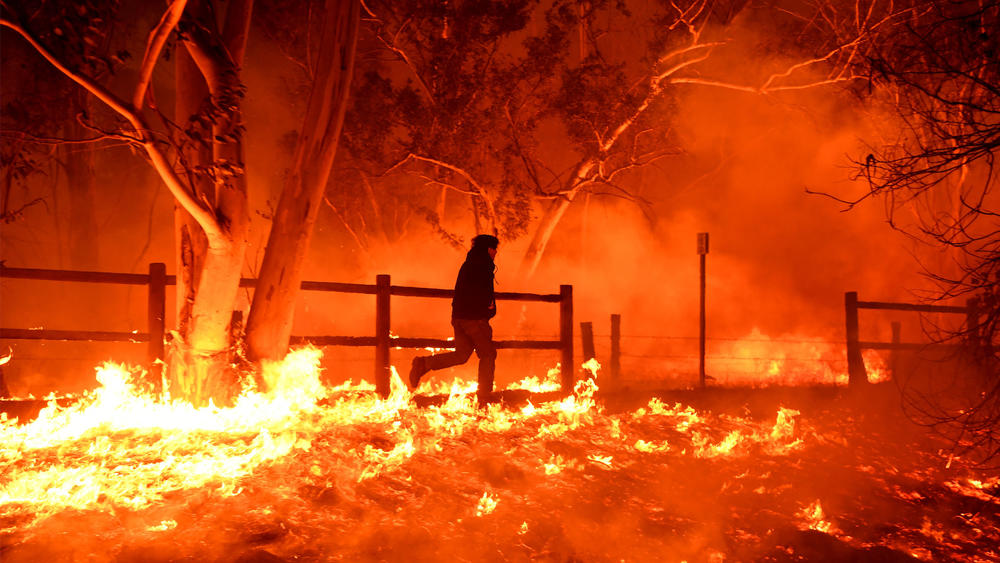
269 325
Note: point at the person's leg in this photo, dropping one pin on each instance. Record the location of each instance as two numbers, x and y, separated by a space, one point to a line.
481 334
423 364
463 349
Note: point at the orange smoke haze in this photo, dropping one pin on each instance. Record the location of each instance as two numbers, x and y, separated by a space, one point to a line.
780 259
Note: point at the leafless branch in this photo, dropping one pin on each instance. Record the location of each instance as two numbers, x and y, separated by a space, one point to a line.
428 181
202 213
393 46
9 216
154 45
28 137
354 235
520 151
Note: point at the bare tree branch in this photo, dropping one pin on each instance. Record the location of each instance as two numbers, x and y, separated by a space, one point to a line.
157 39
143 136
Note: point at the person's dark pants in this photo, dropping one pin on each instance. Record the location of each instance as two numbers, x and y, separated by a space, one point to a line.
470 334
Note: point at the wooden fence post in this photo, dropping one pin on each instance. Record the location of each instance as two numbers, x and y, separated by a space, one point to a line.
856 373
156 313
616 348
566 337
587 340
382 373
702 254
972 323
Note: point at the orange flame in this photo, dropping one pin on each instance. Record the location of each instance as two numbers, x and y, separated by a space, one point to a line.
121 448
815 519
758 359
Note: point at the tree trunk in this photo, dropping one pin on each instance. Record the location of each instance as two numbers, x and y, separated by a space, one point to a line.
189 239
553 214
211 266
201 348
269 325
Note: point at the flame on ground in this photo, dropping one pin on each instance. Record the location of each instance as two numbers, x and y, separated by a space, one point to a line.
758 359
337 469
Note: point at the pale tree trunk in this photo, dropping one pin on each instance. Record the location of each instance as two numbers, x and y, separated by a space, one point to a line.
189 239
550 219
211 266
582 175
225 222
269 325
663 73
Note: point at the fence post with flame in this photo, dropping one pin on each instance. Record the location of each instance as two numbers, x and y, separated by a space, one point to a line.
566 337
157 308
382 373
856 373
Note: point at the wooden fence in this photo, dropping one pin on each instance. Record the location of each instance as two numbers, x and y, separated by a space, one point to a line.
614 362
857 374
157 280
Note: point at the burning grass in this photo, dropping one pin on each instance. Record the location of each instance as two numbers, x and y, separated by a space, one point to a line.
308 473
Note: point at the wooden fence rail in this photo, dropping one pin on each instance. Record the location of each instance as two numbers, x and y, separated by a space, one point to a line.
382 341
856 372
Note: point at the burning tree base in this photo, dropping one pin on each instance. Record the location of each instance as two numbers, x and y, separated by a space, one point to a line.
200 379
276 477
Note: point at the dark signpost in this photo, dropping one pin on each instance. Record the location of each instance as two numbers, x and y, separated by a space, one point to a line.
702 252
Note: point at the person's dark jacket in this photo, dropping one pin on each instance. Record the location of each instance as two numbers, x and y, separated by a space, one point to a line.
474 297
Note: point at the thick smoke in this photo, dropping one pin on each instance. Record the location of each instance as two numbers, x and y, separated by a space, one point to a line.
780 261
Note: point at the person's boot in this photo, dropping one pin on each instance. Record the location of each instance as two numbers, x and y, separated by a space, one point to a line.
417 370
484 400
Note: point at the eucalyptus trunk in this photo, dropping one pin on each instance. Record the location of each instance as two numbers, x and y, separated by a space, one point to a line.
269 325
550 219
199 351
210 264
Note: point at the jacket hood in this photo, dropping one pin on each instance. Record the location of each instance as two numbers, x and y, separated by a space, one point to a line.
479 254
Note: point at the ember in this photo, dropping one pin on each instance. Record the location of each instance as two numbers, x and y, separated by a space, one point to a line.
306 472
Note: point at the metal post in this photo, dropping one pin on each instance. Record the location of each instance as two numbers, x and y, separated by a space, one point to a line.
587 340
156 313
856 373
616 349
382 373
702 253
566 337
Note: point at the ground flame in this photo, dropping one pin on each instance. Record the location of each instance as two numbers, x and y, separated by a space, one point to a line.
320 473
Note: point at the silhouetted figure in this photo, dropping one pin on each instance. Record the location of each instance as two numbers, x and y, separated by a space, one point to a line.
471 310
